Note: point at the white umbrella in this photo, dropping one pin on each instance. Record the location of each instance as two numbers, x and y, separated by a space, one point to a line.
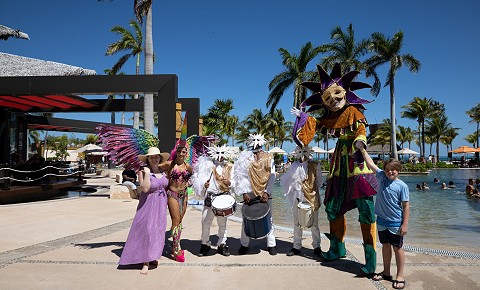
277 150
330 151
319 150
99 153
407 151
89 148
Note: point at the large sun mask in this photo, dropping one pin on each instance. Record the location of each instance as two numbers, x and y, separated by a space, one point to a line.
334 97
303 153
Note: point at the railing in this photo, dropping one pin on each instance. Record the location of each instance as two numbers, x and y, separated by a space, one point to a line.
43 175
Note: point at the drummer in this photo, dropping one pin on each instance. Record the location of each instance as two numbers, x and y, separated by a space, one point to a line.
254 179
211 178
301 184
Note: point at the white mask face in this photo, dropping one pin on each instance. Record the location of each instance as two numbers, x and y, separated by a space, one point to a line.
334 97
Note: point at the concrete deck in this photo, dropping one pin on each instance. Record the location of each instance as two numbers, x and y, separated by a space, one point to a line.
76 244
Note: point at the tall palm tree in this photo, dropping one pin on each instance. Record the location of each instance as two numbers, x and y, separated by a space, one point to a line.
405 134
421 109
132 44
388 51
474 114
143 8
448 137
436 127
347 51
230 127
275 123
255 122
294 74
472 139
218 116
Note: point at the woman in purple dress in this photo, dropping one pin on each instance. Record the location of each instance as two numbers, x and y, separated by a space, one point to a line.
146 238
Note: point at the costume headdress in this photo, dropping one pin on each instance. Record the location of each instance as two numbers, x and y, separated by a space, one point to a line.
183 134
303 152
219 152
123 144
256 140
335 78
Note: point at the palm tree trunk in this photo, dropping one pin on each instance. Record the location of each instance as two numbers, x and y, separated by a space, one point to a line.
392 118
148 102
136 115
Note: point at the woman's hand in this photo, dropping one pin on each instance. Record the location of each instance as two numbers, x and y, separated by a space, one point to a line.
246 198
146 170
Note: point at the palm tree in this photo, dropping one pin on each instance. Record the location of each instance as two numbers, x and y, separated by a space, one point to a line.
133 45
474 114
448 137
294 74
472 139
274 124
405 134
34 137
436 128
230 127
143 8
388 51
218 116
284 133
421 109
347 51
382 135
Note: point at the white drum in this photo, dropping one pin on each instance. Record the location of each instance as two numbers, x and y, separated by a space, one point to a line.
305 214
224 205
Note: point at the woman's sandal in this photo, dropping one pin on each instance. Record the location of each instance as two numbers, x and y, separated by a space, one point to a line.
396 282
381 277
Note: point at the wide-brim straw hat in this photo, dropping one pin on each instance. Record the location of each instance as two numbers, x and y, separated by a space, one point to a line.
154 151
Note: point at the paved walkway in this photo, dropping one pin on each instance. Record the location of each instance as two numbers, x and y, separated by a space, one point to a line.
76 244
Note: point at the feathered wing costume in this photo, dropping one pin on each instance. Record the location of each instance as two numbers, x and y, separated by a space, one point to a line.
196 145
123 144
241 179
350 184
202 171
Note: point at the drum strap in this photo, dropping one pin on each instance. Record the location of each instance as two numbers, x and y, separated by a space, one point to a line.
259 173
309 186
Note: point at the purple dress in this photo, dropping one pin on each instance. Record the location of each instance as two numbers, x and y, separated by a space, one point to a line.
146 238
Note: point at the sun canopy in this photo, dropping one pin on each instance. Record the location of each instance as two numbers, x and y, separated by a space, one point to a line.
89 148
277 150
464 149
407 151
317 149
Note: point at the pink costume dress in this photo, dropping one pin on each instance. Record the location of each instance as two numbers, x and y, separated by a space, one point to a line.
146 238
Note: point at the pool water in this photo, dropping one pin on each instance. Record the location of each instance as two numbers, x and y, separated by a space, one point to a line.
440 218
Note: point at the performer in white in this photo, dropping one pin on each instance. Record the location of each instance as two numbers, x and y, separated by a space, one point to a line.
301 184
254 179
211 178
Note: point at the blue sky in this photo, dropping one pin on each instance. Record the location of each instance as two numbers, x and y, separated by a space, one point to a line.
229 49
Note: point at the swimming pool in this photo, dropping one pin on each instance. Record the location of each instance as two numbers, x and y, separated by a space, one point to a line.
441 218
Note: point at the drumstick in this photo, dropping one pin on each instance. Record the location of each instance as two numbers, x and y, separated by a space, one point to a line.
204 189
